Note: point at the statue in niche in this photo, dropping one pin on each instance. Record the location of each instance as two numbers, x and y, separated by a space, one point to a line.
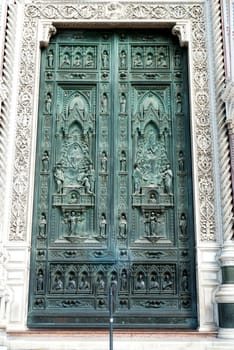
100 283
58 283
178 103
123 161
137 61
84 283
184 283
50 59
77 60
66 60
59 177
40 281
114 280
102 226
104 103
152 198
105 59
149 60
123 57
167 282
162 61
72 223
73 199
45 161
147 224
104 161
154 281
71 282
183 224
137 179
91 177
177 59
87 185
140 282
181 161
42 226
154 219
48 103
123 280
89 60
123 103
167 177
123 226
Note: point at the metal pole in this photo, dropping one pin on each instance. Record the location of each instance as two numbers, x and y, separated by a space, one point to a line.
111 317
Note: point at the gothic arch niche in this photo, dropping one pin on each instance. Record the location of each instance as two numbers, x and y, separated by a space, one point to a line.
111 188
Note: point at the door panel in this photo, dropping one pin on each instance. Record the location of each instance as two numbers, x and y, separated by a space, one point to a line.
113 191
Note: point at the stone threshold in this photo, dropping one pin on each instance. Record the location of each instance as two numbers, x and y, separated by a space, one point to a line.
192 334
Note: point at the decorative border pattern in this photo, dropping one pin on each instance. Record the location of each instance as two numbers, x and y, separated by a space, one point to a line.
109 12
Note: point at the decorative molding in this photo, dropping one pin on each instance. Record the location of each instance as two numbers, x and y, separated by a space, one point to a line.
48 30
182 30
71 14
228 98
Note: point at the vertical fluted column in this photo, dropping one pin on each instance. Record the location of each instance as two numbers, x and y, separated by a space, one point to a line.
225 294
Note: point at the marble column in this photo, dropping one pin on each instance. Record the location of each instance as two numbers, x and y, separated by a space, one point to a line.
225 294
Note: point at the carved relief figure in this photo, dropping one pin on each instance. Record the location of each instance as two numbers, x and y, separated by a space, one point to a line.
123 56
153 224
50 59
42 226
89 59
137 178
162 61
84 283
123 161
74 198
177 59
152 199
48 103
147 224
181 161
137 61
59 177
123 280
167 177
123 226
87 185
104 161
184 283
58 283
77 60
104 103
40 281
149 60
167 282
122 102
71 281
72 223
66 60
154 282
140 282
102 226
178 103
45 161
105 59
183 224
100 283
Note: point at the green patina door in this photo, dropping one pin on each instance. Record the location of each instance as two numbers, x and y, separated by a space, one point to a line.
113 189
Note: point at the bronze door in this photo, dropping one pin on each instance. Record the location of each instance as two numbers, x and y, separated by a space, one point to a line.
113 188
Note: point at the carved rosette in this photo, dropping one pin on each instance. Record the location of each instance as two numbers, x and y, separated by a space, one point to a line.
117 11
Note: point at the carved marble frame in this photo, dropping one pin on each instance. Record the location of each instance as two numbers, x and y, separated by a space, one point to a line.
187 21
